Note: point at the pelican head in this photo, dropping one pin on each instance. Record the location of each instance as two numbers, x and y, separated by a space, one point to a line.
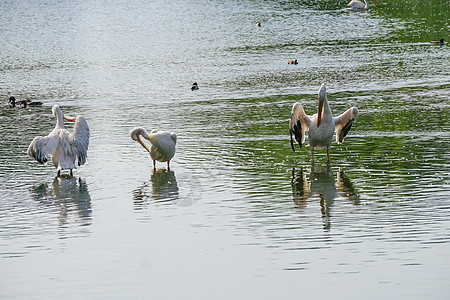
60 116
322 99
56 111
135 136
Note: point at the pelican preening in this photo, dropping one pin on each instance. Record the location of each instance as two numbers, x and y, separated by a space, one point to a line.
321 126
64 147
356 5
163 144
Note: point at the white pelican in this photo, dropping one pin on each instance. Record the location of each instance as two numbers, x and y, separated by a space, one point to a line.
321 126
356 5
64 147
163 144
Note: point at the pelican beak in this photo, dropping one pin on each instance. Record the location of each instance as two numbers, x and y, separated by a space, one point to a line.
142 143
319 112
322 96
70 119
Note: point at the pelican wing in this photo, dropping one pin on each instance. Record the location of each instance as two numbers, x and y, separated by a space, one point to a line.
163 145
79 139
41 146
343 123
162 139
298 125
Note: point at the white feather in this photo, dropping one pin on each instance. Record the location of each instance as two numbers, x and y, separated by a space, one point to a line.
162 146
64 148
358 5
320 132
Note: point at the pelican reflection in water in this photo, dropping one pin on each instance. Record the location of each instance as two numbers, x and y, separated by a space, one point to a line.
69 194
184 191
164 188
323 185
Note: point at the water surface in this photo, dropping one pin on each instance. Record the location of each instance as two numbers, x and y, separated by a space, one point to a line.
239 214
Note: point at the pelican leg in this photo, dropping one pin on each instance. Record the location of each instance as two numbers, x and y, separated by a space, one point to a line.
58 174
71 173
168 167
154 166
312 155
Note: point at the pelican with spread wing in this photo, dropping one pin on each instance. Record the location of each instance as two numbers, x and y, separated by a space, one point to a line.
162 144
64 147
321 126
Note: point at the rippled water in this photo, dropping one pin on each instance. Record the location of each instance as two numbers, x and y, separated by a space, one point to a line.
239 215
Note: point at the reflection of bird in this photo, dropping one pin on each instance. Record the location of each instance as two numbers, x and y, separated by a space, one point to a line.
64 147
164 188
301 189
68 194
322 183
321 126
163 144
345 187
358 5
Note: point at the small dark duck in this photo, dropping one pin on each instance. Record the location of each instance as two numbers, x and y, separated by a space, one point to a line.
22 103
441 42
194 86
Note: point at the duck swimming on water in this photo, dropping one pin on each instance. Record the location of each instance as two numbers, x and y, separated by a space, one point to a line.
22 103
441 42
194 86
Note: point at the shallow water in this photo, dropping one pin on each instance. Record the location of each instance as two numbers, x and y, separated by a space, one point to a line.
239 214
